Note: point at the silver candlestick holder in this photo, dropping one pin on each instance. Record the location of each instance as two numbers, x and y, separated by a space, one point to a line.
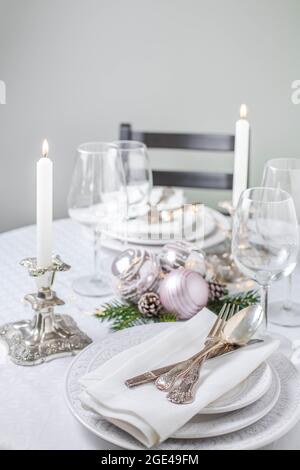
48 335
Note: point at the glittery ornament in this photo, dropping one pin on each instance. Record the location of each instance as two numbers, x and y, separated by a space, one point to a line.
135 272
149 304
184 292
182 254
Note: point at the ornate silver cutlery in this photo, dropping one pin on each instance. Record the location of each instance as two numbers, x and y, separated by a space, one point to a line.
229 332
166 380
152 375
237 331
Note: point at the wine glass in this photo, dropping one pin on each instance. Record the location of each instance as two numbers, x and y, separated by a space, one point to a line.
138 176
265 238
284 173
97 198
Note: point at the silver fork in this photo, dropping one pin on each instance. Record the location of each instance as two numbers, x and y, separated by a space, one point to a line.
184 391
166 380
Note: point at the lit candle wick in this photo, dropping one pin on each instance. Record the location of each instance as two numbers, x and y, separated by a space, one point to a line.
45 151
243 111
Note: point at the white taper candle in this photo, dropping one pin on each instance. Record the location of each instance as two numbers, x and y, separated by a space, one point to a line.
241 157
44 208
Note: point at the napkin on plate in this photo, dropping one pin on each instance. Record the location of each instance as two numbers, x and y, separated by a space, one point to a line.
174 197
139 225
144 412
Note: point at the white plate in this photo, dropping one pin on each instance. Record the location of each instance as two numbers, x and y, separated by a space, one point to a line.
204 426
247 392
244 394
215 237
139 230
278 422
261 383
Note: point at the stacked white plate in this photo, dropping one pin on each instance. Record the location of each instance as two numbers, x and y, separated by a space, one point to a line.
209 228
255 413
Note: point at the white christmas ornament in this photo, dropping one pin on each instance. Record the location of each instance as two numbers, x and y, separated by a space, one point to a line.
184 292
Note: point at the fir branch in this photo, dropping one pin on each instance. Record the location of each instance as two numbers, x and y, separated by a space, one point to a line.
166 317
125 315
241 300
120 314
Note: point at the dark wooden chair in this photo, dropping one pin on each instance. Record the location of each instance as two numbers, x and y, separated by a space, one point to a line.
201 142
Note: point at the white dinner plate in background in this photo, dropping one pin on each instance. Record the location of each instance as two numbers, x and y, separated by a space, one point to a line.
216 234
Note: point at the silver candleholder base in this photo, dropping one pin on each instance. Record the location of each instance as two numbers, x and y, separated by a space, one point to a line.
47 336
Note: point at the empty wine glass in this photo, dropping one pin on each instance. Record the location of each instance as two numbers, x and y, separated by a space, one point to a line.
97 197
265 238
284 173
138 176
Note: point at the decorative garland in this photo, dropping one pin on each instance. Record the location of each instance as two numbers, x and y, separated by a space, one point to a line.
170 286
125 315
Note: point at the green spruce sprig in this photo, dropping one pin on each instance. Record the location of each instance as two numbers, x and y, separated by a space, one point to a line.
241 300
124 315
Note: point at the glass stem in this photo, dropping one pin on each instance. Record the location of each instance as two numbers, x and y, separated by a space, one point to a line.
126 219
288 302
97 256
264 298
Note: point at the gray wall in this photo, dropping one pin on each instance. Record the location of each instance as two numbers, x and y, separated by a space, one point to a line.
75 68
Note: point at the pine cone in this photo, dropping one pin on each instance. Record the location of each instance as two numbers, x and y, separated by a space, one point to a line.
149 304
216 290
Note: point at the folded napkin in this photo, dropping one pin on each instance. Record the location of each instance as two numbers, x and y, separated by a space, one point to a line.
144 412
174 197
139 225
160 197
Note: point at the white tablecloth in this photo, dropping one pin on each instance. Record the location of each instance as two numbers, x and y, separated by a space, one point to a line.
33 412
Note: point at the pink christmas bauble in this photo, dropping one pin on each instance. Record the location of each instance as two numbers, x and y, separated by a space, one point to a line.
184 292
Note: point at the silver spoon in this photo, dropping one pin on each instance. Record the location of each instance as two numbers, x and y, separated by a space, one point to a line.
238 331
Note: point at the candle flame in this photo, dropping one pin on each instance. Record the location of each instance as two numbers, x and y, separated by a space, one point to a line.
45 148
243 111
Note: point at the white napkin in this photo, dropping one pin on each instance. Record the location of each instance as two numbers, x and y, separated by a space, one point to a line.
173 200
144 412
